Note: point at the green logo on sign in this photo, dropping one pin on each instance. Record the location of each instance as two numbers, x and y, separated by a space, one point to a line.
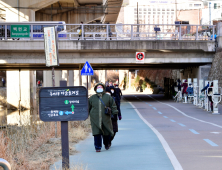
20 31
66 102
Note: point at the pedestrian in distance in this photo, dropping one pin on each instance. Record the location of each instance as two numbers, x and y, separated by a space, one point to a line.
206 87
115 117
185 86
190 90
179 84
38 83
80 30
101 108
3 82
210 93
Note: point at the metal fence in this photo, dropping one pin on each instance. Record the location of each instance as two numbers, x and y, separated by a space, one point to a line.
115 31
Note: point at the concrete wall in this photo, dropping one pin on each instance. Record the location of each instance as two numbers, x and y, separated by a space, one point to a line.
13 15
216 69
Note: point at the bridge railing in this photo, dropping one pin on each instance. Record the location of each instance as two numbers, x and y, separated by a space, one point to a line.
115 31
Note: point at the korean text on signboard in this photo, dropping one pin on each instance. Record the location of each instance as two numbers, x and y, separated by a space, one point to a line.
51 49
63 103
20 31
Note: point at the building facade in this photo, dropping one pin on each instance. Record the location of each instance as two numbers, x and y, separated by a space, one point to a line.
158 11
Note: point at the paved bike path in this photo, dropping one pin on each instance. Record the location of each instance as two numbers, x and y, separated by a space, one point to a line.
135 146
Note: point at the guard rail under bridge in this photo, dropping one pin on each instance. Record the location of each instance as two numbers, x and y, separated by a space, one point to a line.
111 46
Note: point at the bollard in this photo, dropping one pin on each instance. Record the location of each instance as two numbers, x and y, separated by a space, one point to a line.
5 164
206 101
200 101
216 97
195 87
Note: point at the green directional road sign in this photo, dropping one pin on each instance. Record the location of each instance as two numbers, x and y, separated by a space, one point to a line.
20 31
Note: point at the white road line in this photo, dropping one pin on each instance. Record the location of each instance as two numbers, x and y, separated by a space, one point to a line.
172 120
164 143
165 116
186 114
160 113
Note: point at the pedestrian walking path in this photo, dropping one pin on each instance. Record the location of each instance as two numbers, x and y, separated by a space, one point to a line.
135 146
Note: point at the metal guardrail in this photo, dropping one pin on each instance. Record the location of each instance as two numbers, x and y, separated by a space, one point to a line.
114 31
5 164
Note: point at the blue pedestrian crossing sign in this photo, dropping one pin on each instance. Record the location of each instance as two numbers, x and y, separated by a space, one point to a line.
87 70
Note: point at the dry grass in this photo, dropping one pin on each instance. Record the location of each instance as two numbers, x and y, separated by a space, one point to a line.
29 146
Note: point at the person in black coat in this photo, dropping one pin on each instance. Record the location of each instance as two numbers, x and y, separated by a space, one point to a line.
118 98
179 84
114 118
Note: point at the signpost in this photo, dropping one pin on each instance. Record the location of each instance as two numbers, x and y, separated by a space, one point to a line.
87 70
20 31
140 56
63 104
51 53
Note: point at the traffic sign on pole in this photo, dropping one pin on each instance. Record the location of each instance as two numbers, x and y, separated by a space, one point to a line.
87 70
140 56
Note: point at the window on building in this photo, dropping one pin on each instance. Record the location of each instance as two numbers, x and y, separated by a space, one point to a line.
190 5
172 12
168 9
158 9
154 13
149 12
197 5
149 9
135 9
172 9
135 12
158 12
168 13
140 16
144 9
154 9
163 9
140 12
140 9
163 12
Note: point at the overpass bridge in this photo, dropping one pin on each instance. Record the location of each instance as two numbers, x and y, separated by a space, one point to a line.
174 46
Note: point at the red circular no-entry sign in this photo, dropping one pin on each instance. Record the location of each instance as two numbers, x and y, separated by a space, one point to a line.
140 56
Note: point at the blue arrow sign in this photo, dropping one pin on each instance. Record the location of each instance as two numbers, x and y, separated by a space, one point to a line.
87 70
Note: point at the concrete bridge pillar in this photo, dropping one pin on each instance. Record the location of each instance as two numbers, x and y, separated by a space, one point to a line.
102 76
76 78
47 78
121 77
20 86
58 77
65 75
71 78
